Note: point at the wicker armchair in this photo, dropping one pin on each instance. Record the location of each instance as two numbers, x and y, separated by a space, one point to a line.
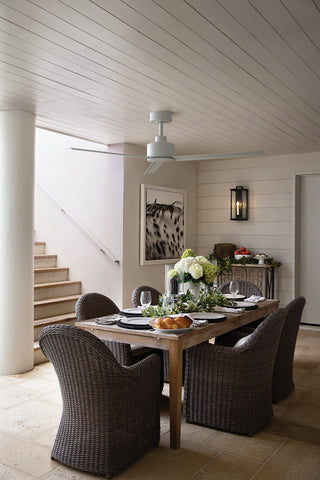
155 294
282 383
92 305
231 388
111 414
245 288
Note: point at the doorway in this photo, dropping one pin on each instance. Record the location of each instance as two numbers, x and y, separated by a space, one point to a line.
307 251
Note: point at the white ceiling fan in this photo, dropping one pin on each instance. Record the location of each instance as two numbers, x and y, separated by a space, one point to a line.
160 151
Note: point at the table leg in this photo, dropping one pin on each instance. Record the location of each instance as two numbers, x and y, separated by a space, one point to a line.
175 378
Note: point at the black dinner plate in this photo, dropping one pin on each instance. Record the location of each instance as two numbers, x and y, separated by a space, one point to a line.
131 312
135 324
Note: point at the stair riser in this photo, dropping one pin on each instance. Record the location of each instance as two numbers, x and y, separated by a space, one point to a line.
38 356
39 248
45 262
38 329
46 277
53 309
57 291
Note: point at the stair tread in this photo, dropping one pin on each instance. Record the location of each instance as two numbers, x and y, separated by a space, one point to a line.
57 299
49 269
55 319
53 284
41 255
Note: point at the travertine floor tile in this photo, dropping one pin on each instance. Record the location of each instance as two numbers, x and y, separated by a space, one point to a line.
310 382
8 473
232 467
311 398
30 419
293 398
14 395
304 414
283 469
66 473
259 447
162 463
20 455
287 449
300 452
288 429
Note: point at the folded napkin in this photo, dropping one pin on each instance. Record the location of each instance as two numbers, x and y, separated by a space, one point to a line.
228 309
255 299
199 323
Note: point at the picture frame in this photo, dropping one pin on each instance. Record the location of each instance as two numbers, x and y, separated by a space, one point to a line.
162 224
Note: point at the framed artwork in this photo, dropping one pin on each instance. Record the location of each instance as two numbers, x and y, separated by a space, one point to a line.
162 222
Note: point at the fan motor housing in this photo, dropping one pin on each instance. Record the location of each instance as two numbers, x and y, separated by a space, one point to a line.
160 148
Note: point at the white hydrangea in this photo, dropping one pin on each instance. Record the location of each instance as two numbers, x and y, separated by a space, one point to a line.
183 266
202 260
196 270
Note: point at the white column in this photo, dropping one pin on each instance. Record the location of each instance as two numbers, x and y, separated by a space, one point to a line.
17 139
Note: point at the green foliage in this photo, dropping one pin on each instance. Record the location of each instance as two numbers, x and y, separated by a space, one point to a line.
188 253
188 303
254 261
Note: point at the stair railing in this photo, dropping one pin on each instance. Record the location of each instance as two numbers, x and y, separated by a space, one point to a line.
102 248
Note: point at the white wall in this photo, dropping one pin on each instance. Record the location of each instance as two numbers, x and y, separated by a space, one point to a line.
90 187
270 228
103 193
175 175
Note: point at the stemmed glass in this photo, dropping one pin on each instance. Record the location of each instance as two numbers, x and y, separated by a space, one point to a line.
234 287
168 301
145 298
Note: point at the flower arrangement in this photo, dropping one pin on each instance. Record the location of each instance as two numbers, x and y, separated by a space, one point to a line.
187 303
195 269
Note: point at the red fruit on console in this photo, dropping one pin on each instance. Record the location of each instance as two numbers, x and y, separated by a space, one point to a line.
237 252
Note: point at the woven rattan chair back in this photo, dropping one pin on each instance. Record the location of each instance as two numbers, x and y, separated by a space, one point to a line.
245 288
93 305
155 294
111 414
231 388
283 384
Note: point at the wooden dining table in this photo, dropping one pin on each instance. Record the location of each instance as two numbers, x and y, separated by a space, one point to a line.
176 343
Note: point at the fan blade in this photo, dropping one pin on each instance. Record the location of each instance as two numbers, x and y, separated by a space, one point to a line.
154 167
109 153
216 156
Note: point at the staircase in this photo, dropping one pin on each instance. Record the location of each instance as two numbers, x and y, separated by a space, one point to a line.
54 295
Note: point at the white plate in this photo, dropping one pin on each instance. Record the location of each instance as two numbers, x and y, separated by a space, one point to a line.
132 311
245 304
233 297
208 316
135 321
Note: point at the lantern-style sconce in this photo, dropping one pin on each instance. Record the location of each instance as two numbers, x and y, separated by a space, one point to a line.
239 204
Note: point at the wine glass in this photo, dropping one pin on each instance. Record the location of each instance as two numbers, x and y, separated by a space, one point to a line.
168 301
234 287
145 298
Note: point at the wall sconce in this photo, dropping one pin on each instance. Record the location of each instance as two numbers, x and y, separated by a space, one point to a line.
239 203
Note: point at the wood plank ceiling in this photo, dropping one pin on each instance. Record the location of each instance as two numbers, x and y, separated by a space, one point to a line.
238 75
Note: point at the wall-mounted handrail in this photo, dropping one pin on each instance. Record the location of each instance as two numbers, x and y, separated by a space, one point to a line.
102 248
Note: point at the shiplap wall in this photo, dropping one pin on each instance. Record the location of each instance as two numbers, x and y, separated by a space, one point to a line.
270 228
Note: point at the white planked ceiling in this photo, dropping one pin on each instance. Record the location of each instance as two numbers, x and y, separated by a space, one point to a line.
238 75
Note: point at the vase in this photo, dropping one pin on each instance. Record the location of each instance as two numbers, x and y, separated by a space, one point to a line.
193 288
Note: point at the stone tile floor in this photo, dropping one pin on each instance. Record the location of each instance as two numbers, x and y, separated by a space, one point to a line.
288 449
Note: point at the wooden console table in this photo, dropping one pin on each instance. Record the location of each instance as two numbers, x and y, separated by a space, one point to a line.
260 275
